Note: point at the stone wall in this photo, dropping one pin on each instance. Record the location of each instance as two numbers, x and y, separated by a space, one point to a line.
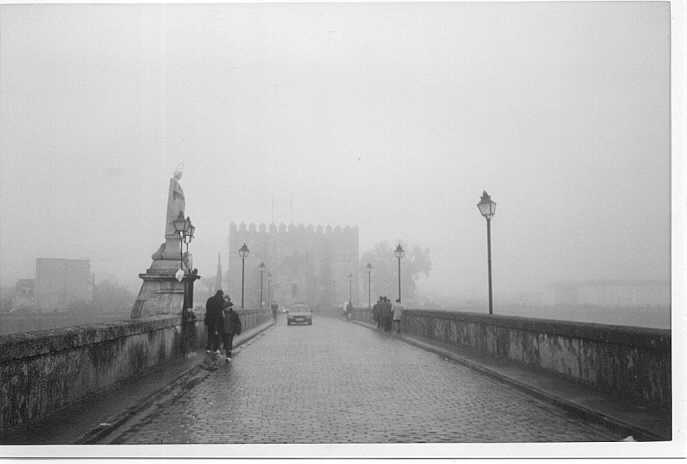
25 322
43 371
250 318
630 363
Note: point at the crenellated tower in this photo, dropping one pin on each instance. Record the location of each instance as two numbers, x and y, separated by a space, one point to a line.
308 263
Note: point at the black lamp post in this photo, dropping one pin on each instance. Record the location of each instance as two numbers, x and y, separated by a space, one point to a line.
350 280
399 252
186 231
369 285
261 270
269 290
189 232
243 252
487 208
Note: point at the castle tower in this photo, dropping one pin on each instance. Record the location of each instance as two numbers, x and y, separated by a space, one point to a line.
308 263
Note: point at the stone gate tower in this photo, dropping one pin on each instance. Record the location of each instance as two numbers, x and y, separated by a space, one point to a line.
307 263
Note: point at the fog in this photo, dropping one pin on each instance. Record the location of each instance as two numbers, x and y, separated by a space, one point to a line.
391 117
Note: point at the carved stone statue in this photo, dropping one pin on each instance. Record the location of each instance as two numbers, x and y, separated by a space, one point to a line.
164 283
176 202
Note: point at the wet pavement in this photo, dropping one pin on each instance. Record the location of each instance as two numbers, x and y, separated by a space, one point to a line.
338 382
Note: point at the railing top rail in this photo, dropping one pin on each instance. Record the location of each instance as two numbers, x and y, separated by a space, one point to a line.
657 339
41 342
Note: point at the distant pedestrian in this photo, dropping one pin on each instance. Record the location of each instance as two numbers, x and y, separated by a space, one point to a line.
349 311
213 320
387 314
377 312
397 311
231 327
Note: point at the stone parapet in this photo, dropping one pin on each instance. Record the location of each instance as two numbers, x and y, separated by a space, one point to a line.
630 363
651 339
41 372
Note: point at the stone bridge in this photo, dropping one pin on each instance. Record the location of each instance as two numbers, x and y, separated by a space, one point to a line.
448 377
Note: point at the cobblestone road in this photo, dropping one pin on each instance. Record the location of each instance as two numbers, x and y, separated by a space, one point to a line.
337 382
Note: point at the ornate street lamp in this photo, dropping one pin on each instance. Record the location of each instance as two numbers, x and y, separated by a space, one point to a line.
350 280
186 231
400 253
269 290
261 270
369 285
180 226
189 232
243 253
487 208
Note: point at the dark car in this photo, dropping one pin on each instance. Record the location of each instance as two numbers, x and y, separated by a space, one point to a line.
299 313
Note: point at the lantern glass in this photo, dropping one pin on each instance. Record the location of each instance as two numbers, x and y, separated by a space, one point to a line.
244 251
399 251
486 206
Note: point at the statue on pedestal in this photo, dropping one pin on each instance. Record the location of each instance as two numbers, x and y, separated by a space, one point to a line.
165 282
176 205
176 202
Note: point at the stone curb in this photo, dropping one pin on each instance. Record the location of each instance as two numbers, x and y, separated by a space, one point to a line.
186 380
614 423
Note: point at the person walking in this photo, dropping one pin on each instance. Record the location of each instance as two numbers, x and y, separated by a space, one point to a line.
376 312
397 311
231 327
349 311
386 315
213 320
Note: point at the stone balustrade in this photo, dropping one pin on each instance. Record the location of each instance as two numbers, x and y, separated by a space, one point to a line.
250 318
44 371
631 363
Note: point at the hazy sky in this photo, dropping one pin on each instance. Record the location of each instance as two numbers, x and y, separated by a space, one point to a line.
393 117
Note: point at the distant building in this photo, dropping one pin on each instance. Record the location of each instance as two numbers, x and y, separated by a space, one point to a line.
60 283
24 295
609 293
308 263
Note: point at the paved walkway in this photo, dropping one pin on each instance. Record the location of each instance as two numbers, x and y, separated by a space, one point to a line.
337 382
629 419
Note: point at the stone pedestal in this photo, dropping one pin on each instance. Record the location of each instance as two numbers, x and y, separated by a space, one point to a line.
161 292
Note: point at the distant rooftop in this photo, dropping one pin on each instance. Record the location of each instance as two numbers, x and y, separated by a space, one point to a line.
609 283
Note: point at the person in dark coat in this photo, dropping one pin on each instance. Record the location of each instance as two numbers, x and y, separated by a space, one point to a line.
387 315
349 310
231 327
377 312
213 320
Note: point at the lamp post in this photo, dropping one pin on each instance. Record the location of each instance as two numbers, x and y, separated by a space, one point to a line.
269 291
189 232
399 252
350 280
243 253
369 285
186 231
180 225
261 269
487 208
